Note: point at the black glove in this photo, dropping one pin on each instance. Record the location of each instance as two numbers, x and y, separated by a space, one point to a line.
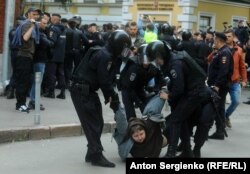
114 104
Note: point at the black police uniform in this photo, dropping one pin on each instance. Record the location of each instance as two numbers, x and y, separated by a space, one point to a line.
74 51
186 94
219 75
127 82
96 71
55 65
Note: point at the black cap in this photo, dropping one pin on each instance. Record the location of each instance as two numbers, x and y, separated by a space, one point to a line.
221 36
73 20
64 20
32 9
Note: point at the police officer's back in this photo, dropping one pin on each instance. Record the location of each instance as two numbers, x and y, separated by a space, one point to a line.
97 71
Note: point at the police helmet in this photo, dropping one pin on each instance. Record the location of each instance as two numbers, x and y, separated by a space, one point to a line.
186 35
120 42
142 57
167 29
78 19
158 49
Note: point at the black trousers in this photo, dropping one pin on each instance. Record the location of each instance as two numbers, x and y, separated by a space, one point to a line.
220 118
54 71
128 104
23 75
71 61
89 111
180 112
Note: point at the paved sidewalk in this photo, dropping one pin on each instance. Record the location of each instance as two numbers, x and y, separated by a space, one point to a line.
60 119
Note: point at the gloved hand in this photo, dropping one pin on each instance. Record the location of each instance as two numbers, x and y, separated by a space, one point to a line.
114 103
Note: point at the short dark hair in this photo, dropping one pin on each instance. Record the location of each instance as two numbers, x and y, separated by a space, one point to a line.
56 14
133 24
109 26
221 36
230 31
150 27
47 14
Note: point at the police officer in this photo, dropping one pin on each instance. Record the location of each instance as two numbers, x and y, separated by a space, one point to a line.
74 49
185 90
126 82
219 75
97 71
167 34
55 66
188 45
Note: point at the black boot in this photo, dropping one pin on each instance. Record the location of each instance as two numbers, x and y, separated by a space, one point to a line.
171 153
187 152
50 94
98 159
197 152
217 136
180 147
10 93
88 157
62 94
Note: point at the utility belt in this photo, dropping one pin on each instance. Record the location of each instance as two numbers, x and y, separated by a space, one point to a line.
84 88
197 90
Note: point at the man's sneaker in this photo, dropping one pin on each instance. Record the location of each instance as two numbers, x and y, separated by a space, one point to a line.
23 108
228 123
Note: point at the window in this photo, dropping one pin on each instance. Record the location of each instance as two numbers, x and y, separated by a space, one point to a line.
90 1
206 20
236 19
204 23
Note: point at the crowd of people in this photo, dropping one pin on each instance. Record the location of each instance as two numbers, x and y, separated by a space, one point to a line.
148 63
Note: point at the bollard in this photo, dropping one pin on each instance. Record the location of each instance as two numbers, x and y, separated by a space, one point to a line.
37 97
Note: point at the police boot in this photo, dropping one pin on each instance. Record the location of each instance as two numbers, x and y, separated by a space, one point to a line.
187 151
10 93
171 153
62 94
88 157
50 94
180 147
217 136
197 151
98 159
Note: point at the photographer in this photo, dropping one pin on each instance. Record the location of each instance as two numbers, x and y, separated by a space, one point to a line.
150 30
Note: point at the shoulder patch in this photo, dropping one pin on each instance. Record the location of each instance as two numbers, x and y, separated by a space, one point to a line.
173 73
224 59
109 66
51 33
132 77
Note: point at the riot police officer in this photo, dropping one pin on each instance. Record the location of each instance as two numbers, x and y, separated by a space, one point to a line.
74 49
167 33
186 90
97 71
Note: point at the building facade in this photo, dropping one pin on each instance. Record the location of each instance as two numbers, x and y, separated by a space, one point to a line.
189 14
194 15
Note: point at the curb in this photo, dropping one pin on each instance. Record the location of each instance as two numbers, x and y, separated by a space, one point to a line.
46 132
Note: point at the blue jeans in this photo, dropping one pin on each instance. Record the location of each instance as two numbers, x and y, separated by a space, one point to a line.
38 67
235 93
